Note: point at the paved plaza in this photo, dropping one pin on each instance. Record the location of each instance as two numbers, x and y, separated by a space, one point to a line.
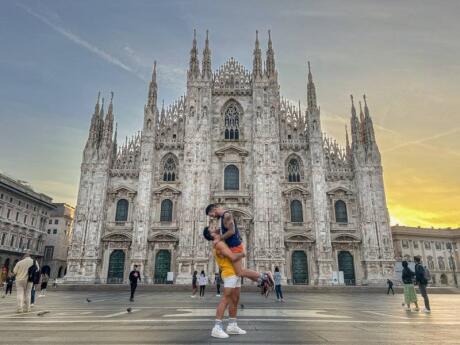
175 318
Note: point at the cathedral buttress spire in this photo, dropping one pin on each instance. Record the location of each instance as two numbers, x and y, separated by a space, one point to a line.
368 125
347 143
355 131
257 61
194 69
108 123
153 89
206 69
270 62
361 123
311 90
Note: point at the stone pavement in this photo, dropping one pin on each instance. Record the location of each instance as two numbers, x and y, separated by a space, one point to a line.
175 318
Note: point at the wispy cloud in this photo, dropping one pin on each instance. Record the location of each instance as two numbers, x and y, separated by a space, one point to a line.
423 140
82 42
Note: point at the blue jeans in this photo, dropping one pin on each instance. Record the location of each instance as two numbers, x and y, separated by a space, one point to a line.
279 293
32 295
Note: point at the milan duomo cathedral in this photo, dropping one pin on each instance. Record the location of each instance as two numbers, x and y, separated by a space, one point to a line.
301 202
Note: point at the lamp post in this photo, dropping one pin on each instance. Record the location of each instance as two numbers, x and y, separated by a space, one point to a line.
452 260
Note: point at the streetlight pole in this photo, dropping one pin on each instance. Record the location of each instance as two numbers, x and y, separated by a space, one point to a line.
453 266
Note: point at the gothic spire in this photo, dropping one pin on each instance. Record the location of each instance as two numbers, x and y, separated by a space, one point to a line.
270 62
311 91
257 61
361 123
206 69
152 96
194 69
368 125
347 142
355 131
96 108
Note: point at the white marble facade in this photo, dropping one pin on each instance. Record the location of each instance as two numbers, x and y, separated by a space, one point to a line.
301 201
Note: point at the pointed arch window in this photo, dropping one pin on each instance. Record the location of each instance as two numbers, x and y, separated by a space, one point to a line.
231 178
169 169
341 212
121 214
232 122
293 170
296 211
166 211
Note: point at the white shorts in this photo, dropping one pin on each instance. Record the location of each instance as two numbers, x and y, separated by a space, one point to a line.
232 282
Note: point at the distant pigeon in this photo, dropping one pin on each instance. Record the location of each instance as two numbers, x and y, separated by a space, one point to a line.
129 310
41 313
88 300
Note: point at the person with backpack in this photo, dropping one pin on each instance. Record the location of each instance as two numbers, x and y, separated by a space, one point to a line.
422 277
409 290
35 276
24 272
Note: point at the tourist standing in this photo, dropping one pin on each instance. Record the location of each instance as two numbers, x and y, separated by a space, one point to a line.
133 277
35 277
24 282
3 275
194 284
217 281
390 287
409 290
44 284
421 278
277 279
202 281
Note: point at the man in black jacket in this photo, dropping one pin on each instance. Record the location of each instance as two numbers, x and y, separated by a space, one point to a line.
422 282
133 277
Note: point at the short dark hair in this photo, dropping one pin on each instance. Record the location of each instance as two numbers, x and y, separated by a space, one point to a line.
405 264
277 269
417 259
210 208
207 234
135 266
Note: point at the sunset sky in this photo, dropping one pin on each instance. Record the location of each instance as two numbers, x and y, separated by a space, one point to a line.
405 55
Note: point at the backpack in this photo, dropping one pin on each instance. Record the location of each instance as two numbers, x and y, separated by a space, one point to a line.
426 274
33 274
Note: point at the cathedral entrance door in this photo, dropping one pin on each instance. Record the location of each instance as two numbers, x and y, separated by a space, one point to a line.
116 267
346 265
299 267
162 266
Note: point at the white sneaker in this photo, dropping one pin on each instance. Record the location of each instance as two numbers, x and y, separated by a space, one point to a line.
193 296
234 329
217 295
427 311
218 332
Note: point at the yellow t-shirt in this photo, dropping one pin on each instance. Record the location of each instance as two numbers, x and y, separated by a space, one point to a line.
225 265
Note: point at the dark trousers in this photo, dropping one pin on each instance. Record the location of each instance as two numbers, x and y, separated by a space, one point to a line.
279 293
9 288
32 295
202 290
422 288
390 288
133 289
218 288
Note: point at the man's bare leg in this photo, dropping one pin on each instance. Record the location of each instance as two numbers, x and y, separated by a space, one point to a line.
218 330
232 311
250 274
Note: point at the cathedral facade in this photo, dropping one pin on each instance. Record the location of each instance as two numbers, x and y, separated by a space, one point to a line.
301 202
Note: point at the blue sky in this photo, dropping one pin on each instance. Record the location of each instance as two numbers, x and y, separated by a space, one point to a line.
56 55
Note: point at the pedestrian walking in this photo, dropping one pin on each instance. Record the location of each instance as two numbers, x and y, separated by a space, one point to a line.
422 277
277 279
194 284
3 275
390 287
44 283
9 284
133 277
24 271
409 290
36 280
202 281
217 281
